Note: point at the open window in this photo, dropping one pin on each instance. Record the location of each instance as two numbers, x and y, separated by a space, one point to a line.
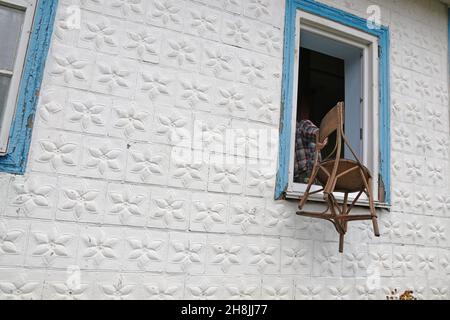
334 62
16 18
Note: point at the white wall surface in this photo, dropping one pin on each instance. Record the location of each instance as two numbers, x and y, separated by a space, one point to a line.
105 193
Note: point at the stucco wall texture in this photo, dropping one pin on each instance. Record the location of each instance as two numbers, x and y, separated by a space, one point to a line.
111 206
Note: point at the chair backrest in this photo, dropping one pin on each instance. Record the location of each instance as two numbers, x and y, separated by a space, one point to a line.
332 121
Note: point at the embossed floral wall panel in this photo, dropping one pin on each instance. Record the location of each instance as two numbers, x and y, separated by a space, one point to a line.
131 192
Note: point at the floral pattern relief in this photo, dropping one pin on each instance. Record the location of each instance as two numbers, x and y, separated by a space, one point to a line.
262 180
279 217
162 291
443 204
130 120
9 239
266 109
241 292
232 99
62 25
144 43
203 292
194 92
126 204
414 231
57 153
155 85
210 134
118 290
434 117
366 292
218 61
277 292
127 7
98 249
49 106
442 147
238 31
403 262
103 159
30 195
169 209
147 164
355 262
81 201
188 172
327 260
262 257
252 70
437 234
435 173
51 245
114 76
391 229
203 22
423 202
69 68
226 175
187 253
402 198
427 262
101 34
173 127
209 213
296 258
19 289
423 143
145 251
270 41
67 291
166 11
311 292
246 216
182 52
226 255
414 169
340 292
259 8
87 113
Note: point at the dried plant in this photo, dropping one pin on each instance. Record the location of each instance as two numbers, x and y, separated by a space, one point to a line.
407 295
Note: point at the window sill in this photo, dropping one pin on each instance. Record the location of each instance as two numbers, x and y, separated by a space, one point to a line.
292 195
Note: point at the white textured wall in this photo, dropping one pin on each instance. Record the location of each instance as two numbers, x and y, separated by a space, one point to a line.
103 191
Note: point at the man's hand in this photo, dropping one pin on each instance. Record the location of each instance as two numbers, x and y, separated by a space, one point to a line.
321 145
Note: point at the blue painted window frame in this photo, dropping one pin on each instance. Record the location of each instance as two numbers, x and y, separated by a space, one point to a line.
356 22
38 45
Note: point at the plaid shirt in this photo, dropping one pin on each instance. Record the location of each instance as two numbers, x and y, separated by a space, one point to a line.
305 147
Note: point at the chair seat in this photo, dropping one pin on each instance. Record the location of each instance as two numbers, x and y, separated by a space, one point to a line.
350 182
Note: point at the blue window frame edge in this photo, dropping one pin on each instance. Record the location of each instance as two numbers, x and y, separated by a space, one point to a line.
350 20
38 46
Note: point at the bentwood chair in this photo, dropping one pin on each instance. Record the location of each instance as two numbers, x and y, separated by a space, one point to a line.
335 174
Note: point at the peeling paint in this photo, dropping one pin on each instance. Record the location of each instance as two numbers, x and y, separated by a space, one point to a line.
21 129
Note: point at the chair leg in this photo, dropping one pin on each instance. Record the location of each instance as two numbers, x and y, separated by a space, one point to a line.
341 242
308 188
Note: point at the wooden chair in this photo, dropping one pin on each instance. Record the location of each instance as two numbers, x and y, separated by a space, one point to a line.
335 174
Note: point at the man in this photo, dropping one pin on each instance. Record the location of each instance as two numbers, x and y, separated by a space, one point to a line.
305 148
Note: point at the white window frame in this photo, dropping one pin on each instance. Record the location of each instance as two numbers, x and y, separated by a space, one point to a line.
369 46
29 6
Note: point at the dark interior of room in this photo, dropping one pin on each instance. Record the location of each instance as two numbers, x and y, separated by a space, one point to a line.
321 86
